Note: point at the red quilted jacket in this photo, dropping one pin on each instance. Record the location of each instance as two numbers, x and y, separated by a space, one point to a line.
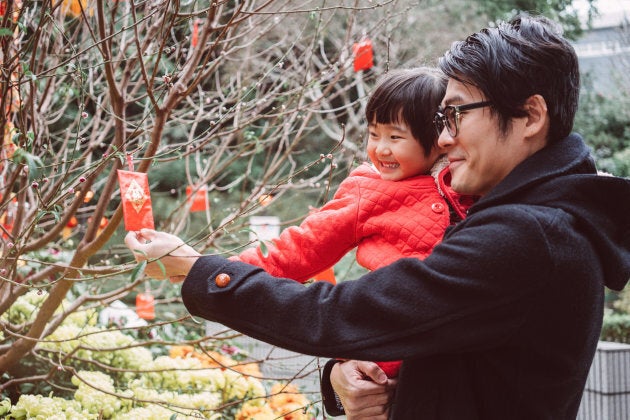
384 220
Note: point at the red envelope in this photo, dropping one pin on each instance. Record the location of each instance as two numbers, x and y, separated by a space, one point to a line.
326 275
363 55
145 305
198 200
136 200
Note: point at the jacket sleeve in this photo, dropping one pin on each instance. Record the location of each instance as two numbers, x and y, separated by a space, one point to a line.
332 404
321 240
463 296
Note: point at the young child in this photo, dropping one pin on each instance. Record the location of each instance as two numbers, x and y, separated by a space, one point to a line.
391 209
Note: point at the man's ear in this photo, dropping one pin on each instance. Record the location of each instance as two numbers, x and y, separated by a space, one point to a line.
537 116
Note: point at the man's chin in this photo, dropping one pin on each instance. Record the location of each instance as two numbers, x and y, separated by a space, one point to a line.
460 186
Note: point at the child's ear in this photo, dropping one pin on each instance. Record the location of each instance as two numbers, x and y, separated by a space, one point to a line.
537 115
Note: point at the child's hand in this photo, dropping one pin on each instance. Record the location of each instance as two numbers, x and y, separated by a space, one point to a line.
174 256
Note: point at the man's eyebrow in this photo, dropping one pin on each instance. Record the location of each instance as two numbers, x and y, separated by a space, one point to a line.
454 98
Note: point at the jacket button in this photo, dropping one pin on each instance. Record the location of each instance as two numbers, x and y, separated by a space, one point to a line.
222 280
437 207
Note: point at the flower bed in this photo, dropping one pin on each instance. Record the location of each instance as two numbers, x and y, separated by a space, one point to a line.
117 377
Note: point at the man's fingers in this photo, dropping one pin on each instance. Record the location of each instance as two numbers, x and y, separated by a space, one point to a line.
373 372
147 234
132 242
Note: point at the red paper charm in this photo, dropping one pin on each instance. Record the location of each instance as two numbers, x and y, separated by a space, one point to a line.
8 217
198 200
145 305
363 55
195 34
326 275
67 229
102 225
136 200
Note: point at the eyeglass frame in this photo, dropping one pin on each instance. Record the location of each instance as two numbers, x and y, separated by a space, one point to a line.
441 120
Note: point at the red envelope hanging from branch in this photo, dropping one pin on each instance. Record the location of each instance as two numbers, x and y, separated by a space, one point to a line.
136 200
197 199
145 305
363 55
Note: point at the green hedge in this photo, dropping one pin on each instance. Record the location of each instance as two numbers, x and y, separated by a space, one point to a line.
616 327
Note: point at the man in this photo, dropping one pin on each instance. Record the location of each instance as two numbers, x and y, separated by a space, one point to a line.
501 321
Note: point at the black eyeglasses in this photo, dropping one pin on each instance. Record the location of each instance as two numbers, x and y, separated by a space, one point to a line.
449 116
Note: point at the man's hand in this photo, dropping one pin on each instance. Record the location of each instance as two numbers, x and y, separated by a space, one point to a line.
174 256
363 388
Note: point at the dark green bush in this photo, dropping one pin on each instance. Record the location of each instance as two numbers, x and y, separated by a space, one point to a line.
616 327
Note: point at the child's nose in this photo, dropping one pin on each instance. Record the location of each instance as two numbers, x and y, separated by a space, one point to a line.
383 148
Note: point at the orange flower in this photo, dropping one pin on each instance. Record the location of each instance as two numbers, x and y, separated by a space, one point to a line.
254 412
213 359
283 396
180 351
292 411
248 369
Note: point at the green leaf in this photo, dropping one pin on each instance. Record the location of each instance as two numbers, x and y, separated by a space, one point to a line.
21 156
30 139
264 249
162 268
138 270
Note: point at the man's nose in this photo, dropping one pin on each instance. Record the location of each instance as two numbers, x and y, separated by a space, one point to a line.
445 140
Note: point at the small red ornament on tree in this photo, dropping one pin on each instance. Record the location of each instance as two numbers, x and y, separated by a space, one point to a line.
67 229
194 39
136 198
363 54
145 305
197 198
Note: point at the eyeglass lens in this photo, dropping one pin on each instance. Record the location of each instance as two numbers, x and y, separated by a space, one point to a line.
446 119
449 116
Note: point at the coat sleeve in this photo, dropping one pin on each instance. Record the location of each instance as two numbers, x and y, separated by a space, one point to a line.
462 296
321 240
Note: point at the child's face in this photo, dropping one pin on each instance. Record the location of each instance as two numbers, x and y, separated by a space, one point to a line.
396 153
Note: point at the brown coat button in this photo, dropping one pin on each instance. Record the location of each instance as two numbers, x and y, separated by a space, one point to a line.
222 280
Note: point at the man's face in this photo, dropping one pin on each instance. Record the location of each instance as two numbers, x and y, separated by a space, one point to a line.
480 156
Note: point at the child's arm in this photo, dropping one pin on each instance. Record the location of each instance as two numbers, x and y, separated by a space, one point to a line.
322 239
